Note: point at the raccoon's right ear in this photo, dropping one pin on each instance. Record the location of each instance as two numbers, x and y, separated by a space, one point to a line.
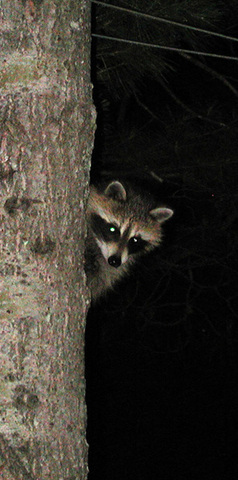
161 214
116 191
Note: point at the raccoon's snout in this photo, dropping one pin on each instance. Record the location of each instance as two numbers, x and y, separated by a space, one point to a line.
114 261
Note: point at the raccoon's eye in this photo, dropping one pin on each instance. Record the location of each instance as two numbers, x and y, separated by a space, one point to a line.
112 229
104 230
136 244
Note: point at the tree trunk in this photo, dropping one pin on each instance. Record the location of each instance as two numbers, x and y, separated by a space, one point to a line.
47 126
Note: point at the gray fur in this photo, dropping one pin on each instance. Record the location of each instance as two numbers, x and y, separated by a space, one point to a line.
130 211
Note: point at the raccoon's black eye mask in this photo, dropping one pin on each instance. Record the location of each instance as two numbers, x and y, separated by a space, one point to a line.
136 244
102 229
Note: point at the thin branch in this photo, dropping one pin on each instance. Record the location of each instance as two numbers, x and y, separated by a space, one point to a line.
145 107
186 108
211 72
163 47
164 20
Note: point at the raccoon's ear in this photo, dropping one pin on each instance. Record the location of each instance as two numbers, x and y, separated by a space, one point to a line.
161 214
116 191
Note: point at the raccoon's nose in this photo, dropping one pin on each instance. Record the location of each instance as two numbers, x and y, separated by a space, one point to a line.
114 261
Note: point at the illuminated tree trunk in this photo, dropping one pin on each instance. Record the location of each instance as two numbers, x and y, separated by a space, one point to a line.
46 132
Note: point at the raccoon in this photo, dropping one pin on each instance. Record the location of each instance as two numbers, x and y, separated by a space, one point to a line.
123 224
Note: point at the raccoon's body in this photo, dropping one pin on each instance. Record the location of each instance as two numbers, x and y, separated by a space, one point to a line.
122 224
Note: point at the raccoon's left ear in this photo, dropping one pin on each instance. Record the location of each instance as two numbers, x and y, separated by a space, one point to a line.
116 191
161 214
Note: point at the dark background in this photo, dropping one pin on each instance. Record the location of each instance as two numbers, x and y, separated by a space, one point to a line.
161 351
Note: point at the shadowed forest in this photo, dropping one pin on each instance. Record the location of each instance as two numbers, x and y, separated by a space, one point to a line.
161 350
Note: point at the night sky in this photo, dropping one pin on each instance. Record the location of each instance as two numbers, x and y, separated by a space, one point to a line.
161 350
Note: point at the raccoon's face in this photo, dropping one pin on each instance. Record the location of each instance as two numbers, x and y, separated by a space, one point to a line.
124 226
117 242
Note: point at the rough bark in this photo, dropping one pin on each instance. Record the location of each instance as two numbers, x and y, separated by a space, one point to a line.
46 132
